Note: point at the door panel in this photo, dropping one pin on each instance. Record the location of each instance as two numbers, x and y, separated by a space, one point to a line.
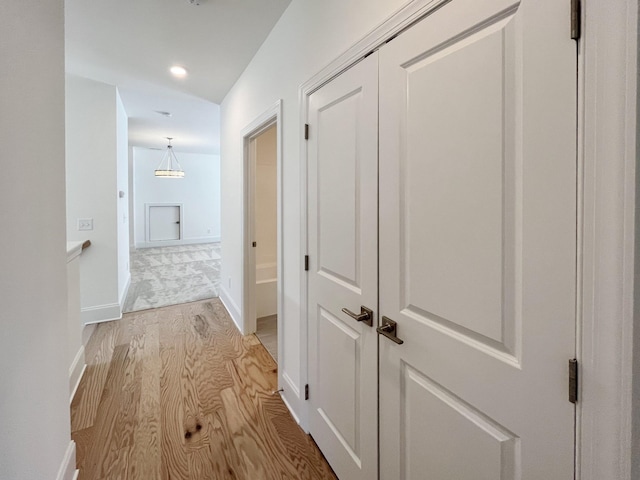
478 243
338 352
338 187
448 438
343 216
164 223
454 255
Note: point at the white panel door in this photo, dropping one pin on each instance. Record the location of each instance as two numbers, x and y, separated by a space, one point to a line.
478 243
343 245
164 223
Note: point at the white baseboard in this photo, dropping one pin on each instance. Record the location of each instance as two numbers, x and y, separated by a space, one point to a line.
76 370
231 307
101 313
87 331
175 243
291 397
125 290
68 467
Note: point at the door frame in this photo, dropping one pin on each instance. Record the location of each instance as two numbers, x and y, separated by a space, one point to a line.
606 227
270 117
147 229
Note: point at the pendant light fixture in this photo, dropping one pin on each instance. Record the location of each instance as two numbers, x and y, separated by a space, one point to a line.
169 166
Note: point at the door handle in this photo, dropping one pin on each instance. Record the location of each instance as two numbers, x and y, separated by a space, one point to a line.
178 222
365 315
389 329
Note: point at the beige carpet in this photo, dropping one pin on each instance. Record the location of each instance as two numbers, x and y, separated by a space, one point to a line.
162 276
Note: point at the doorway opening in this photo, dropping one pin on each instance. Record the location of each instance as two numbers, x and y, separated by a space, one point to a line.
263 153
262 233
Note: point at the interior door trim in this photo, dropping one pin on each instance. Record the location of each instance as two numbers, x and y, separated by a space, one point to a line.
608 229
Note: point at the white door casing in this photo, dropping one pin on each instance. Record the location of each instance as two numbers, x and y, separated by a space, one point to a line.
343 215
478 243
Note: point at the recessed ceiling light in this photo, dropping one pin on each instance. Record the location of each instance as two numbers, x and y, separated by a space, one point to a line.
178 71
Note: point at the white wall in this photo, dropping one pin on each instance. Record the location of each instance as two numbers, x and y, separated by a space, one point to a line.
266 200
96 170
198 191
308 36
131 199
34 393
75 347
122 185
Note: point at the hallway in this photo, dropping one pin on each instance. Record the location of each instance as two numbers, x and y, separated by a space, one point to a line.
178 393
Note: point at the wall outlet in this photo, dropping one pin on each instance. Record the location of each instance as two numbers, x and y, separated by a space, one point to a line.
208 230
85 224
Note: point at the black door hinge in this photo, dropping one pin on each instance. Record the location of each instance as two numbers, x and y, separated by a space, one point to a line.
306 131
573 380
254 244
306 392
576 19
306 263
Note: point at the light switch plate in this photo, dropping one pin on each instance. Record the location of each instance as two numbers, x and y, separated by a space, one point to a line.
85 224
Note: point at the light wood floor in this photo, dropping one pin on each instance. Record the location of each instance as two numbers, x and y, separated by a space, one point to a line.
178 393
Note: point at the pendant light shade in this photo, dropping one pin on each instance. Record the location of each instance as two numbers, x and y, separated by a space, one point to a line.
169 166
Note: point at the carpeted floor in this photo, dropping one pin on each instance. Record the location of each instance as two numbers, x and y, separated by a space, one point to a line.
162 276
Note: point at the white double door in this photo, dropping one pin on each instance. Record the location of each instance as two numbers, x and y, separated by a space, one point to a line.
442 196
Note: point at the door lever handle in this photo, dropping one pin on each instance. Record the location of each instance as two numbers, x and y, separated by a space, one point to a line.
365 315
389 329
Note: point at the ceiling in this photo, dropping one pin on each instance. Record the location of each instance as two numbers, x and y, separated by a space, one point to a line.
132 44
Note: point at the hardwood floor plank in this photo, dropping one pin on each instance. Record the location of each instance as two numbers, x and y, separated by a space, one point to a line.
174 463
265 360
98 354
83 439
210 373
200 463
194 434
252 389
301 449
131 393
99 462
145 452
179 393
118 467
226 459
250 376
244 438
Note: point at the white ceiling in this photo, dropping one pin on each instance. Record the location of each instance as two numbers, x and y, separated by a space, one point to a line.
194 123
132 44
